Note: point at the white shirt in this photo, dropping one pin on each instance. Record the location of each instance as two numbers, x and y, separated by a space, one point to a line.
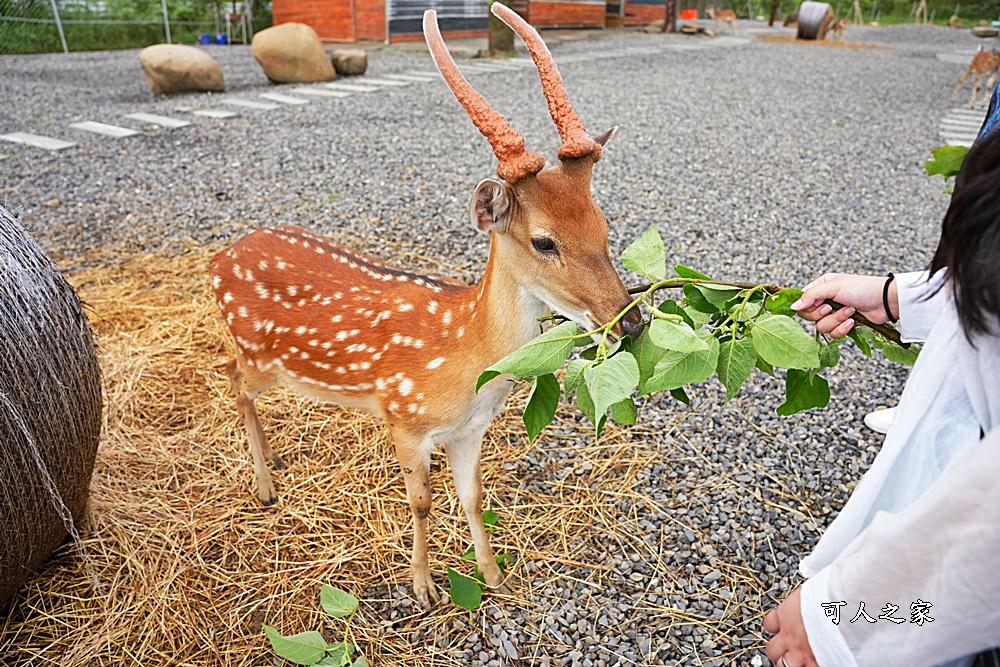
923 525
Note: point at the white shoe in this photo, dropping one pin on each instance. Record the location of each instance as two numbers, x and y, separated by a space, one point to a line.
880 420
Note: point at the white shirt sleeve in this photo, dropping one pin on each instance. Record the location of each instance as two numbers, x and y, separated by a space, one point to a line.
917 314
942 550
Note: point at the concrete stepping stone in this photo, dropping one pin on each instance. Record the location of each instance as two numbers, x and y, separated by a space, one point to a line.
954 140
321 92
38 141
251 104
214 113
409 77
350 87
431 74
105 129
372 81
284 99
162 121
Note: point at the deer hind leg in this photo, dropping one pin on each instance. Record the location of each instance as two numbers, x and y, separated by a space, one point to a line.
414 455
990 85
958 87
464 457
975 89
248 383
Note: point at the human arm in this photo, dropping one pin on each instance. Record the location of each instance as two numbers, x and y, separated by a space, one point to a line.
906 297
942 550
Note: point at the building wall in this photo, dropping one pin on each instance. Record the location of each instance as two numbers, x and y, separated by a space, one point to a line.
566 13
644 12
331 19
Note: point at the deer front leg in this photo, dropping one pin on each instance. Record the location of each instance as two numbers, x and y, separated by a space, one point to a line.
414 455
247 384
961 80
975 89
464 455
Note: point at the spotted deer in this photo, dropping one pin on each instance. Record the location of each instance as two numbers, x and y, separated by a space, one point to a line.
983 63
837 29
341 327
722 16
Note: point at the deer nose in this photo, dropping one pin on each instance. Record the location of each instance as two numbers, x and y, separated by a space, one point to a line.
632 326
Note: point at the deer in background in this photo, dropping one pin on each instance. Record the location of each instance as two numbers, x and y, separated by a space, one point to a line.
983 63
837 29
341 327
722 16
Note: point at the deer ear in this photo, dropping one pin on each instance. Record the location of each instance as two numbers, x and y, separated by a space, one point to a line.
606 137
490 205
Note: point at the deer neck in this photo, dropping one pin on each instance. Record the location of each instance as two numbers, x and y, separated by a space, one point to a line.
506 312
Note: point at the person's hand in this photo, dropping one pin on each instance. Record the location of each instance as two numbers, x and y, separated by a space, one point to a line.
789 647
861 294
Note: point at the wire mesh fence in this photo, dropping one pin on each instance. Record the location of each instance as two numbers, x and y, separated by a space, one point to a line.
46 26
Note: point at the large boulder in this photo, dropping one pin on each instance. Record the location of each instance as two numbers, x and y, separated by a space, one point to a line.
173 68
292 53
349 62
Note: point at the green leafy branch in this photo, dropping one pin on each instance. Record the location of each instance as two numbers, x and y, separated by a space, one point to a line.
309 648
720 328
947 161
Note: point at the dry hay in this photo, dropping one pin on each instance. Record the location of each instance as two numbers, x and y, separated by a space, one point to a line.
838 43
192 564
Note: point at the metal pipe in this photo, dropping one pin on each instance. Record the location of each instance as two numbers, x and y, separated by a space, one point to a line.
166 21
62 35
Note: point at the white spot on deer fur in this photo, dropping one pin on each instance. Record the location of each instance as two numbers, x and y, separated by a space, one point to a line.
432 307
422 410
293 349
404 307
304 355
365 365
338 295
341 370
313 343
268 325
248 275
337 318
418 343
281 265
405 387
292 290
435 363
396 339
227 297
237 271
262 264
300 330
401 278
262 291
326 301
341 335
243 311
412 407
379 384
355 289
216 281
446 318
393 406
460 332
285 356
327 345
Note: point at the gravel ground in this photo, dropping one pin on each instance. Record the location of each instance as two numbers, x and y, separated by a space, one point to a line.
765 161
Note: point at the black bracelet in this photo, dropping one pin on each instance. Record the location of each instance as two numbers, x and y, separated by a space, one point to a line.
885 298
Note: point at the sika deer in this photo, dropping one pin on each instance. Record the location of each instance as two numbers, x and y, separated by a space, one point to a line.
722 16
983 63
341 327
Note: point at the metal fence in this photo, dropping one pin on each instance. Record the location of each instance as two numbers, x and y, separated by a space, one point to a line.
47 26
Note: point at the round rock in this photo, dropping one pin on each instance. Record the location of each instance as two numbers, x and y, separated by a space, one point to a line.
174 68
349 62
292 53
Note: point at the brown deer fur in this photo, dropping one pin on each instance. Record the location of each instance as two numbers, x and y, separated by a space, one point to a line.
722 16
983 63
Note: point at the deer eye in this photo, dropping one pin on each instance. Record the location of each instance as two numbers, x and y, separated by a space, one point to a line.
544 245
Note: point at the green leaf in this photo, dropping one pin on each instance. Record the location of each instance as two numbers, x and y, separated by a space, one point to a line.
780 303
337 603
465 591
671 308
697 300
947 161
782 342
503 561
899 354
860 340
340 656
574 374
625 411
677 369
681 396
736 361
360 662
829 355
612 381
645 353
586 405
646 257
305 648
470 554
804 390
542 403
543 354
717 295
685 272
490 517
676 336
765 367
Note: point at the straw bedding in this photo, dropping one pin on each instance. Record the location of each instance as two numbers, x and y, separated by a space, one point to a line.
191 564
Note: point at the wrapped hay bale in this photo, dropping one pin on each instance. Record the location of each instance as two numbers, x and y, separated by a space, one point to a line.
50 407
814 20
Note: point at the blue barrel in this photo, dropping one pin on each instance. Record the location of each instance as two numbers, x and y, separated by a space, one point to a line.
204 39
220 38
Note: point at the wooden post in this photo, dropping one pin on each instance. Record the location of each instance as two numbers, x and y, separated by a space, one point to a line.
501 38
670 21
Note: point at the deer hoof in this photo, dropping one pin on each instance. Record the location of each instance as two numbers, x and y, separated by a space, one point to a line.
267 497
277 462
425 590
